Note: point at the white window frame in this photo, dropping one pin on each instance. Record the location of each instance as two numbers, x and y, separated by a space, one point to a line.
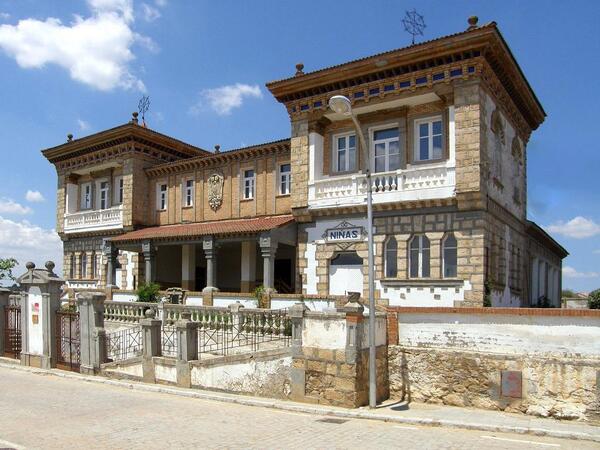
444 240
188 192
420 257
249 184
159 196
335 150
372 142
119 190
285 180
417 138
86 200
99 194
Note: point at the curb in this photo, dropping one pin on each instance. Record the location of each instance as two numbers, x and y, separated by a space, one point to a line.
306 409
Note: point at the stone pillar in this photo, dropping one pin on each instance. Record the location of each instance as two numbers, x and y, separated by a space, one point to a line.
39 302
298 372
268 249
248 278
110 254
149 260
4 293
187 348
210 247
92 334
236 316
77 271
188 267
151 343
89 266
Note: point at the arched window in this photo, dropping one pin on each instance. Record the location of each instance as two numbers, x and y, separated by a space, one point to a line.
72 268
449 255
83 273
391 258
497 128
419 257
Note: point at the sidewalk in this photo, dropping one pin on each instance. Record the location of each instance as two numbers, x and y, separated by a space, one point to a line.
413 414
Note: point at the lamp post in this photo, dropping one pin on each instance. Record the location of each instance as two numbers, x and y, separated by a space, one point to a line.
341 105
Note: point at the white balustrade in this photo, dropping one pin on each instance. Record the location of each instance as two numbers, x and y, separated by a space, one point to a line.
101 219
427 181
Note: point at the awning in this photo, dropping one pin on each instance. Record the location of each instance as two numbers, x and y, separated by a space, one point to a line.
199 229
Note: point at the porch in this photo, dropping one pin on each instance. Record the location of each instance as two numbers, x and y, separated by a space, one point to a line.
230 255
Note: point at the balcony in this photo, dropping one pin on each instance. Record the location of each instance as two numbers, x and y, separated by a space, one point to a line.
94 220
420 182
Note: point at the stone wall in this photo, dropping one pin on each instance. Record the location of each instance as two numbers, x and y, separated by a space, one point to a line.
532 361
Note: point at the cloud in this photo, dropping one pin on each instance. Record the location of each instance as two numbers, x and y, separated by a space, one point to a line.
27 242
34 197
83 125
8 206
596 252
570 272
161 3
4 16
226 98
150 13
577 228
96 50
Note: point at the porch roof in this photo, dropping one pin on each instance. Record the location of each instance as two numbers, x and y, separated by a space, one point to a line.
219 227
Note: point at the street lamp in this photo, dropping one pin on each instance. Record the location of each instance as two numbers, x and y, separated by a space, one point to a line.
341 105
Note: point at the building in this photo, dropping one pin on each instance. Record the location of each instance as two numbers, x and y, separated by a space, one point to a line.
447 122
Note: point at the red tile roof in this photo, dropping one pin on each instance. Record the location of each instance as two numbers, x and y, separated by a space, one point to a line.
220 227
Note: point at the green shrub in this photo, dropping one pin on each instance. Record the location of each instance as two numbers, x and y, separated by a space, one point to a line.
148 292
594 300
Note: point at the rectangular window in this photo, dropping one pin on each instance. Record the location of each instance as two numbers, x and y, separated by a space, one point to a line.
161 197
428 139
248 184
386 150
94 265
189 192
344 153
83 266
103 194
285 179
119 187
86 196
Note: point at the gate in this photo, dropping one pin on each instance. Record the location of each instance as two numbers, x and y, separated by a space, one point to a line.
67 340
12 331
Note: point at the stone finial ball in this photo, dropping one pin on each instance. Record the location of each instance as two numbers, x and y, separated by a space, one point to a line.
149 313
50 266
135 114
30 265
473 21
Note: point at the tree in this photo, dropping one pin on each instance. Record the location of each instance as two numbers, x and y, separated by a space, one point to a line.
568 293
6 267
594 300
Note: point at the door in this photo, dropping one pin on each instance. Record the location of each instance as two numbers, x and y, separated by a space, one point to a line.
345 274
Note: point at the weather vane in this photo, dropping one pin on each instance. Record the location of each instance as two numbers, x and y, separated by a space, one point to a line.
143 107
414 24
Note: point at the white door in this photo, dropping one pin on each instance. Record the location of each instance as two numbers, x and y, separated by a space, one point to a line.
345 274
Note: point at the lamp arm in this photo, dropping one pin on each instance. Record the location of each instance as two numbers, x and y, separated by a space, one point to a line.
363 144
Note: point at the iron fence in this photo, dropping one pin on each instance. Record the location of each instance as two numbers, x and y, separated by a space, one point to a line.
124 344
169 341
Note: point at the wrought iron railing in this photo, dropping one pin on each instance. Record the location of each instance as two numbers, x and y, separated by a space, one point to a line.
169 341
124 344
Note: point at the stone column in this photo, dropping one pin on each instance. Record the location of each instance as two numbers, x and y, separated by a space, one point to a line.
187 348
188 267
354 327
268 249
248 278
92 334
110 254
149 260
236 316
210 247
4 293
77 271
39 302
151 342
298 372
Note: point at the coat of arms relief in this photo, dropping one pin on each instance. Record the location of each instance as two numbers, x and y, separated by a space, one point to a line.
215 190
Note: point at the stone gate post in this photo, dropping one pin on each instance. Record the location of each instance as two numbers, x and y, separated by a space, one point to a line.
298 372
91 331
40 300
152 344
4 293
187 348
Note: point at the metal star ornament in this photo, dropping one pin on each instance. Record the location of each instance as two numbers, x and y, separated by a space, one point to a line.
414 24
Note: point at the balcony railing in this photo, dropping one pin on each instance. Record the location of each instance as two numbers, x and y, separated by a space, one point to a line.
415 183
100 219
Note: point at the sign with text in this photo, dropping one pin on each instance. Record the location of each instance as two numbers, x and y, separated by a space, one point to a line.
344 234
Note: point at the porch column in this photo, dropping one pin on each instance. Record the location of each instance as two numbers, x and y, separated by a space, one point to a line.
268 248
210 247
110 253
149 259
188 267
248 278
